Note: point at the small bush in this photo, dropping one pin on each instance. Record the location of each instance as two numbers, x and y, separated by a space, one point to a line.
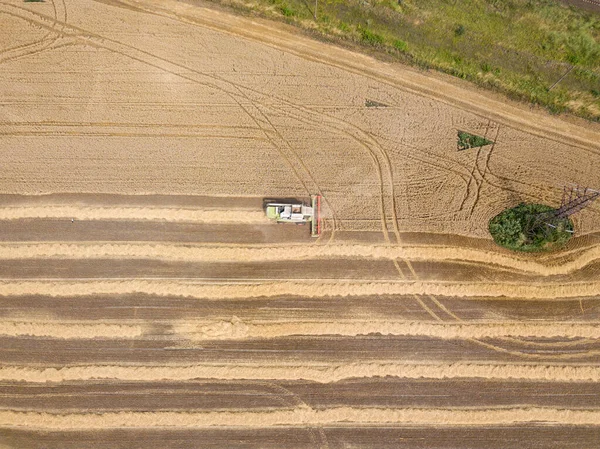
522 228
459 30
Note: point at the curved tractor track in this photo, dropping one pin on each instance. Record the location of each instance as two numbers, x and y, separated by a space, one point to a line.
147 301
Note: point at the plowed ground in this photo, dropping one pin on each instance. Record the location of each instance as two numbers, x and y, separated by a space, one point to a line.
145 300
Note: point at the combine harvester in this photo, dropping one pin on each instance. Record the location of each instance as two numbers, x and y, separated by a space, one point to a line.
298 213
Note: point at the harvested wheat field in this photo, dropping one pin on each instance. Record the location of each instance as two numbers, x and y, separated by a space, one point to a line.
147 302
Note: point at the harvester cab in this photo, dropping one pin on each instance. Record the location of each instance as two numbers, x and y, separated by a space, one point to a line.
298 213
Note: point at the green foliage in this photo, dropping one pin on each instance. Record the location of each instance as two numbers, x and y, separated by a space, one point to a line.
459 30
467 140
343 26
582 49
400 45
370 37
286 11
522 228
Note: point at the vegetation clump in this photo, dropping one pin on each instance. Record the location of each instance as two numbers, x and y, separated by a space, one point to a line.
467 140
530 228
370 37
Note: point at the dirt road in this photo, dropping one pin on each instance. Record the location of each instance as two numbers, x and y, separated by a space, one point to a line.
146 301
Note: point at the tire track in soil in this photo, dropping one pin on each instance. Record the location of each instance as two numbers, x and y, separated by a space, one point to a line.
429 158
478 174
500 182
43 43
117 131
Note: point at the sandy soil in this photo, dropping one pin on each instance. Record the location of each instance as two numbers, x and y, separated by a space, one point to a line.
145 300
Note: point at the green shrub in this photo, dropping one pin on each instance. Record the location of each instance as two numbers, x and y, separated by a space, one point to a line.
530 228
